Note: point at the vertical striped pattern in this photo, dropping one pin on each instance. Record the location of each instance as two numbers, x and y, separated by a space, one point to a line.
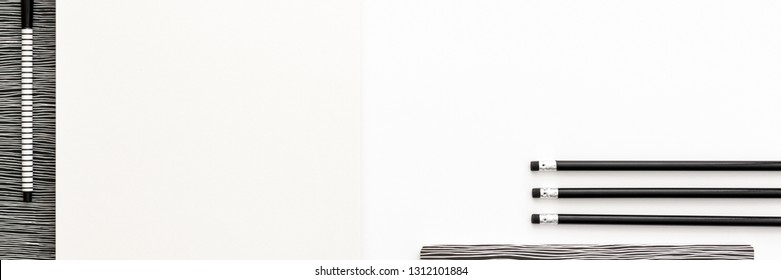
587 252
27 110
27 230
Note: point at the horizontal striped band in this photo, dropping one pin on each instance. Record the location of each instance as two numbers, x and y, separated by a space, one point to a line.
588 252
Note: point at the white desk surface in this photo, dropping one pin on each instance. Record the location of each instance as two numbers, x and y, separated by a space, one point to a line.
459 96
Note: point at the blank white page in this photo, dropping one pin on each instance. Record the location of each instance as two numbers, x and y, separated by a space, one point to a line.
208 129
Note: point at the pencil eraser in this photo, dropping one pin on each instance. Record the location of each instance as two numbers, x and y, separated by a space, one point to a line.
535 166
27 196
535 218
536 192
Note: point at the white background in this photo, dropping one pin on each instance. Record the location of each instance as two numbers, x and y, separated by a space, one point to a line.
252 270
208 130
459 96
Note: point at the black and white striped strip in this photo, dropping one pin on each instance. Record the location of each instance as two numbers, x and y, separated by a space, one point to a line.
587 252
27 114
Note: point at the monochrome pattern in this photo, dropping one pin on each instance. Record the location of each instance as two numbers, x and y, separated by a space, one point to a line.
27 109
587 252
27 230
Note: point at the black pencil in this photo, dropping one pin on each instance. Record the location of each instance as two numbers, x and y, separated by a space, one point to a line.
27 100
656 193
589 165
588 219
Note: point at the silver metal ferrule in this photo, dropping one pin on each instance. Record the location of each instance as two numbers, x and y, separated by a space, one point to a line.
547 165
549 219
549 192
